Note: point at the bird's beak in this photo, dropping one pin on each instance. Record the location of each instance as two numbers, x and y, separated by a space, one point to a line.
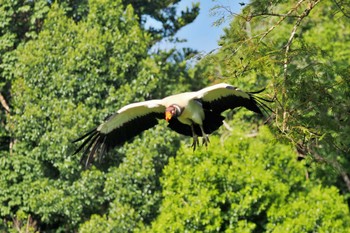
168 116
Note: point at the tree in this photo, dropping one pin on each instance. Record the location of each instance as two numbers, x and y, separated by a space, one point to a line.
298 50
21 21
164 12
246 184
79 61
63 81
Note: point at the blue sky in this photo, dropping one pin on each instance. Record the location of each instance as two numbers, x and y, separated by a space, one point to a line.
202 35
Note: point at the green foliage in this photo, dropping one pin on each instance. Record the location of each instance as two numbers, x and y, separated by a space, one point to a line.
246 185
66 65
133 188
19 21
164 12
299 52
64 81
322 217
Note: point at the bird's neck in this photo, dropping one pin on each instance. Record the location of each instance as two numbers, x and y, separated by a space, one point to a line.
179 110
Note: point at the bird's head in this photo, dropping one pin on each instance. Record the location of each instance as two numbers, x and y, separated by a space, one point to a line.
172 111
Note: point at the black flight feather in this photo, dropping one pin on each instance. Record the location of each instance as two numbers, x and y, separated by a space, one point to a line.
96 143
253 103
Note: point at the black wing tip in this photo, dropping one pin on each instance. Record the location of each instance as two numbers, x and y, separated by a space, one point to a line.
257 92
85 135
260 104
93 145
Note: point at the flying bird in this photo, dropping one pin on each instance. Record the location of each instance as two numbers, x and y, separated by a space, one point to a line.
195 114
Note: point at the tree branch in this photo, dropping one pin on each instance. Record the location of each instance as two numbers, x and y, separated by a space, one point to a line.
296 25
4 103
303 151
346 179
287 48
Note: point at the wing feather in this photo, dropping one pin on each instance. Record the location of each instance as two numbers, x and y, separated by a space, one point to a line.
122 126
221 97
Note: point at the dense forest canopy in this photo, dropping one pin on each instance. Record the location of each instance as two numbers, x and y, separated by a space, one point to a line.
66 65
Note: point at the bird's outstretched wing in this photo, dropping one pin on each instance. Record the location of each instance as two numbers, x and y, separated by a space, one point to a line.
122 126
221 97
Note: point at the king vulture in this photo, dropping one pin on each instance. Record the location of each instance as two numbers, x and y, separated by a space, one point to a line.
195 114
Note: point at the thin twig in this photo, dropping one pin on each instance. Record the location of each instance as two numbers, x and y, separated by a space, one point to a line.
275 14
341 9
281 19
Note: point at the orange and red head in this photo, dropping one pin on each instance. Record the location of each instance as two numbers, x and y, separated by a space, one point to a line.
172 111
